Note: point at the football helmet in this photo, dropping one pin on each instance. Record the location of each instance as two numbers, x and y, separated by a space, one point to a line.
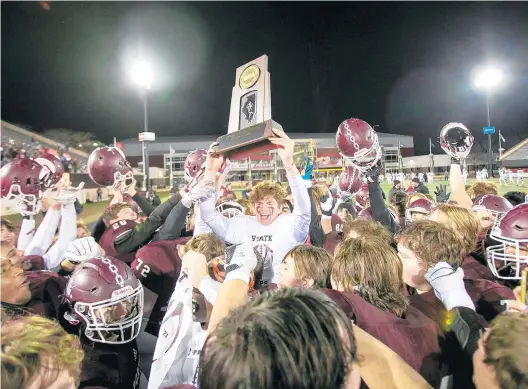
424 206
496 205
194 165
107 166
507 259
358 143
230 209
106 299
456 140
25 180
350 180
362 196
55 167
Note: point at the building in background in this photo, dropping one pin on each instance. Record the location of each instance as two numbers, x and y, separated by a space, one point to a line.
320 147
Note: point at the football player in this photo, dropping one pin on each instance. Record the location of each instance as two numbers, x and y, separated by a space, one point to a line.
367 280
103 305
425 243
306 267
272 232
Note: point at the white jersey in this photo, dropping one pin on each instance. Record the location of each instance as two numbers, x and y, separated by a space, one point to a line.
171 364
273 241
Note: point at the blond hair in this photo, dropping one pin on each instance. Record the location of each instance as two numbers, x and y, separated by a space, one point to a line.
373 267
505 350
30 343
433 242
464 222
207 244
267 188
313 263
482 188
84 227
365 228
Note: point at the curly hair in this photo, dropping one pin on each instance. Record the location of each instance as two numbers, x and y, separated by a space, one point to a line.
433 242
267 188
482 188
31 343
113 210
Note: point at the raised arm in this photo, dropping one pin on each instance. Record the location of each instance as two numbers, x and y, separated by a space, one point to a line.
67 234
380 211
219 224
45 232
301 211
458 189
26 232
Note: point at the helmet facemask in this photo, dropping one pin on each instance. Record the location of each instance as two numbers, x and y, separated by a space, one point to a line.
102 321
456 140
508 258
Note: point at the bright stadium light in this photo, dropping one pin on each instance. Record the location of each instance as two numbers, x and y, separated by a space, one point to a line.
488 78
141 74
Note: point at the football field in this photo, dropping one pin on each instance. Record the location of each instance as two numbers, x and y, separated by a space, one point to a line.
92 211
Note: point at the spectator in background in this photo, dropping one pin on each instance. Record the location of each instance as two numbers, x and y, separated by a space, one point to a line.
395 188
153 198
419 186
99 195
247 191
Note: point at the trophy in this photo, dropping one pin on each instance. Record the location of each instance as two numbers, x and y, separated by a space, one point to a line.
250 123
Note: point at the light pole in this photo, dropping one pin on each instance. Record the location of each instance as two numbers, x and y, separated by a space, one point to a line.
488 79
141 74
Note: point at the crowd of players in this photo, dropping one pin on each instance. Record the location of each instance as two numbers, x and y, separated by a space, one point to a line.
316 285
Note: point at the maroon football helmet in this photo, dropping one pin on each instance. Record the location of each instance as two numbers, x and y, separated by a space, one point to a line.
423 206
495 204
350 180
194 165
105 298
358 143
107 166
507 259
456 140
25 180
362 196
55 167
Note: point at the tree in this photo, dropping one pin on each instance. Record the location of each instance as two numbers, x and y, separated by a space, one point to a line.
71 138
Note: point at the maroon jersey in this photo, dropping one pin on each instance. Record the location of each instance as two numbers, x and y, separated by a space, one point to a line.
337 223
158 259
33 262
474 270
331 240
114 231
486 295
157 265
414 337
110 366
46 290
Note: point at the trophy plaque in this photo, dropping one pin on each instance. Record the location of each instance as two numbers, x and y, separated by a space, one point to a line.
250 123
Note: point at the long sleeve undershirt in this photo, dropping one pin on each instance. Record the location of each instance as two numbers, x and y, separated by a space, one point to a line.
67 234
45 232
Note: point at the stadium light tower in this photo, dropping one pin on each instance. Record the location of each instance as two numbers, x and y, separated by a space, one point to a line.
488 79
141 74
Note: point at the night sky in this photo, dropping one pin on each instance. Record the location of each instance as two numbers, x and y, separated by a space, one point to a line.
404 66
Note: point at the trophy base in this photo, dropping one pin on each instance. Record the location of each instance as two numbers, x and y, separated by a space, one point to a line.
252 140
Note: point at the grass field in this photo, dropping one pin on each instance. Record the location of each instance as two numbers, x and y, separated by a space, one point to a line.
91 212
